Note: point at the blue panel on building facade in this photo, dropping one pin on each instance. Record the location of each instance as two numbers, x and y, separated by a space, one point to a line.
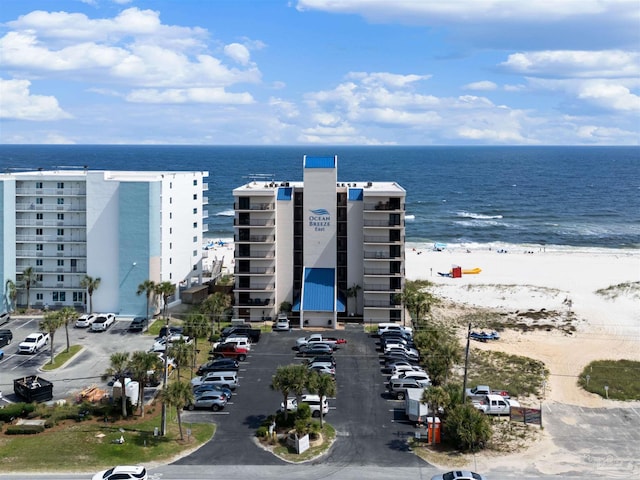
285 193
319 162
318 290
355 194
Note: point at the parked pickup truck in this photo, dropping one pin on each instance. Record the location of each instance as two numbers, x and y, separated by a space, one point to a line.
33 343
496 405
319 338
33 388
229 350
480 391
252 333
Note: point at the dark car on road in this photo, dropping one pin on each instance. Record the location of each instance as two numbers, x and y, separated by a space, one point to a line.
138 324
6 337
314 350
218 365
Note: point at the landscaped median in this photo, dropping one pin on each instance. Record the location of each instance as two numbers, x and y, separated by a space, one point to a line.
91 436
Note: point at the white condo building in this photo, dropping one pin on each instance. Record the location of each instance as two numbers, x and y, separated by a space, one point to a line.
315 244
121 227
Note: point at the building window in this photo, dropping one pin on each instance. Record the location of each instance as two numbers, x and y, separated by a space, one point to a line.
170 215
39 200
195 267
38 277
170 184
195 196
170 275
39 247
39 216
60 262
61 278
78 297
60 185
170 200
61 247
38 231
38 184
60 232
195 183
60 201
61 216
39 296
195 224
170 245
170 260
59 296
170 230
195 239
195 253
195 211
38 262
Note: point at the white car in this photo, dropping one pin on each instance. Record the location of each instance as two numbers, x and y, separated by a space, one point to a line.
312 400
324 369
102 322
281 324
160 345
85 321
122 472
412 374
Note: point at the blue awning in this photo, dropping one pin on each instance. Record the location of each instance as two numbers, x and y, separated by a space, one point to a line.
318 292
285 193
320 162
355 194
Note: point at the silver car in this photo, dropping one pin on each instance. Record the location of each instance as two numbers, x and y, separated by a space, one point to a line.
459 475
213 400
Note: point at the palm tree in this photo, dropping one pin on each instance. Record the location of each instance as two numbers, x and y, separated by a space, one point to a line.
119 368
324 386
66 315
91 284
282 382
165 290
182 354
11 294
28 281
141 363
467 427
178 394
215 305
353 292
197 327
299 379
435 397
148 287
51 322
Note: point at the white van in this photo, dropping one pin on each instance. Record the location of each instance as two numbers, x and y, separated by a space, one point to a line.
223 379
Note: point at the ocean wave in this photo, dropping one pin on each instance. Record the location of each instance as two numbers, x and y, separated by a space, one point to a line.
477 216
226 213
410 218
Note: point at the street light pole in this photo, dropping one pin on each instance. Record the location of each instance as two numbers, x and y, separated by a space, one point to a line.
163 426
466 364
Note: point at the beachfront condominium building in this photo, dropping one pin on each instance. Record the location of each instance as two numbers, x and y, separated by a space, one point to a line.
121 227
331 250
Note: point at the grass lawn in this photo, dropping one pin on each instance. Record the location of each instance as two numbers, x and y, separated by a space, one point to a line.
87 445
62 358
621 376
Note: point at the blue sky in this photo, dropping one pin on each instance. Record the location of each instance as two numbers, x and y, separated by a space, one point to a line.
320 72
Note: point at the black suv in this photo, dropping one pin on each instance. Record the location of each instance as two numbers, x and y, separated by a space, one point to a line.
171 331
138 324
5 337
218 365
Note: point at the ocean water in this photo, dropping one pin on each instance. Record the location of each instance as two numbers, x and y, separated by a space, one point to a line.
538 196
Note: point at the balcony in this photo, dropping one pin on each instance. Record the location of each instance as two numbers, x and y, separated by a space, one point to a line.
30 207
256 206
380 223
256 254
32 222
257 287
381 271
379 287
53 192
256 271
383 207
256 239
51 238
258 222
49 254
380 239
381 304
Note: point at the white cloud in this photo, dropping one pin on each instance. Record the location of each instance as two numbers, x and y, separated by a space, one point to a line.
484 85
18 103
583 64
239 53
157 55
189 95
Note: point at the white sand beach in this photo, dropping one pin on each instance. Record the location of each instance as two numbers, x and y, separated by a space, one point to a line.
559 279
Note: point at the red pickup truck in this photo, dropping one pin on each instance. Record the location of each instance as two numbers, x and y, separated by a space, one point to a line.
229 350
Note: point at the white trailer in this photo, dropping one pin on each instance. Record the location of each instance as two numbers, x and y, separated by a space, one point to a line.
414 408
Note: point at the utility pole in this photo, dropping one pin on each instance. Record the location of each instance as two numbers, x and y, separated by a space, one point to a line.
163 426
466 364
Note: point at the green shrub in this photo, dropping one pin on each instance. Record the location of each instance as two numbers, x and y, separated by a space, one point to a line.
467 428
303 412
24 429
262 431
16 410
